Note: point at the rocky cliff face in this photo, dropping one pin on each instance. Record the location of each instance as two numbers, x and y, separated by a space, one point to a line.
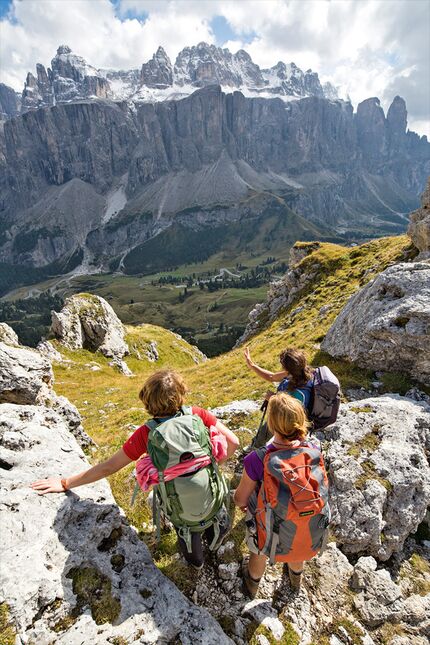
9 102
210 149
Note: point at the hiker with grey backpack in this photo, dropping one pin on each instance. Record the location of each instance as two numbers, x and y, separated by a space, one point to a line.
318 390
178 452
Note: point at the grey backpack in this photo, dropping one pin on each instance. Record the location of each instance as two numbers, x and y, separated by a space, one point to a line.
325 399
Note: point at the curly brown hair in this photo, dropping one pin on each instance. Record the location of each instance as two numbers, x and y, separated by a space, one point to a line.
163 393
294 361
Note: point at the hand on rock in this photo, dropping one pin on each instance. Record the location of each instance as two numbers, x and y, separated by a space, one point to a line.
49 485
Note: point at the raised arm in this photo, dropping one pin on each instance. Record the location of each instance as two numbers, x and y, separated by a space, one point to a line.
106 468
272 377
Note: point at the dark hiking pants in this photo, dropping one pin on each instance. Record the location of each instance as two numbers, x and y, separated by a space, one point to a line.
197 557
262 437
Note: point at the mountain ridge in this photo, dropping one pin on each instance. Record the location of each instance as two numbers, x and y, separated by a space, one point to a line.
70 77
107 167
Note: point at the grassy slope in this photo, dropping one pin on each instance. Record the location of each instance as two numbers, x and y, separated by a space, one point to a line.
109 401
340 272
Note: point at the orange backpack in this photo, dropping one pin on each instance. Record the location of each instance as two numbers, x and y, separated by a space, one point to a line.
292 513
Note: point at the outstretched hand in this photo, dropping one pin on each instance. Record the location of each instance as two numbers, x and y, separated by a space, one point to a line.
49 485
248 357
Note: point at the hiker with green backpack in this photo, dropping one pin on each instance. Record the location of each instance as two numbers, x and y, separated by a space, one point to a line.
318 390
180 448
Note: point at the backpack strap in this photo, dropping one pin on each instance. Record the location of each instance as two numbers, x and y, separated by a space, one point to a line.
261 453
156 515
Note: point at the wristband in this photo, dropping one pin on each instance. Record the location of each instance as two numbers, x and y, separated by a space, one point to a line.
64 485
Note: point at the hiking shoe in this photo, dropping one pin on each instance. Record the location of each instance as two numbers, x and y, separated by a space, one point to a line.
196 567
250 586
295 578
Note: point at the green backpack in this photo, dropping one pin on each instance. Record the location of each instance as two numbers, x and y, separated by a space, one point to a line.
191 502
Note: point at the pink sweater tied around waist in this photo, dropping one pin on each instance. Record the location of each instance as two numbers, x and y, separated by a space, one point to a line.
147 474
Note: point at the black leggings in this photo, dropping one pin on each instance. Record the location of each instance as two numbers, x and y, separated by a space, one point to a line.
197 556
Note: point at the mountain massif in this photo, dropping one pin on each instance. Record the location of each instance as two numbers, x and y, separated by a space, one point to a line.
70 78
93 172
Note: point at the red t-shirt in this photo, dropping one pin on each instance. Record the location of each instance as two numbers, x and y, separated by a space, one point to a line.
137 444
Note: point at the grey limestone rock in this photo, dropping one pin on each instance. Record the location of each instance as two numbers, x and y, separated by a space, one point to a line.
47 349
419 227
152 352
88 321
263 612
244 406
379 599
158 71
9 105
379 473
7 335
52 544
386 325
72 418
25 375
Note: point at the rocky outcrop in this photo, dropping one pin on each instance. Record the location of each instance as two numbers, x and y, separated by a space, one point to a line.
91 579
89 322
282 293
47 349
379 473
26 377
386 325
7 335
419 227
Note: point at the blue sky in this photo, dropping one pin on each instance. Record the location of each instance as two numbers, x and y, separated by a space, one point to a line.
4 7
365 47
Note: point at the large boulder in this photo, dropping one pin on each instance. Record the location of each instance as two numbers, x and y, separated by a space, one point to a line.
379 473
25 375
72 570
386 325
419 227
89 322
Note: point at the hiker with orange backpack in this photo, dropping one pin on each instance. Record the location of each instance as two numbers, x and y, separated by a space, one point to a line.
284 493
180 447
318 390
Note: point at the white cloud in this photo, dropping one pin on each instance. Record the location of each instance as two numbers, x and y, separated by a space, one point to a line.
367 47
92 30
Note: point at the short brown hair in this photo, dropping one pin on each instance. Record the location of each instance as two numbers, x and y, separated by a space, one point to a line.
294 361
163 393
287 417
